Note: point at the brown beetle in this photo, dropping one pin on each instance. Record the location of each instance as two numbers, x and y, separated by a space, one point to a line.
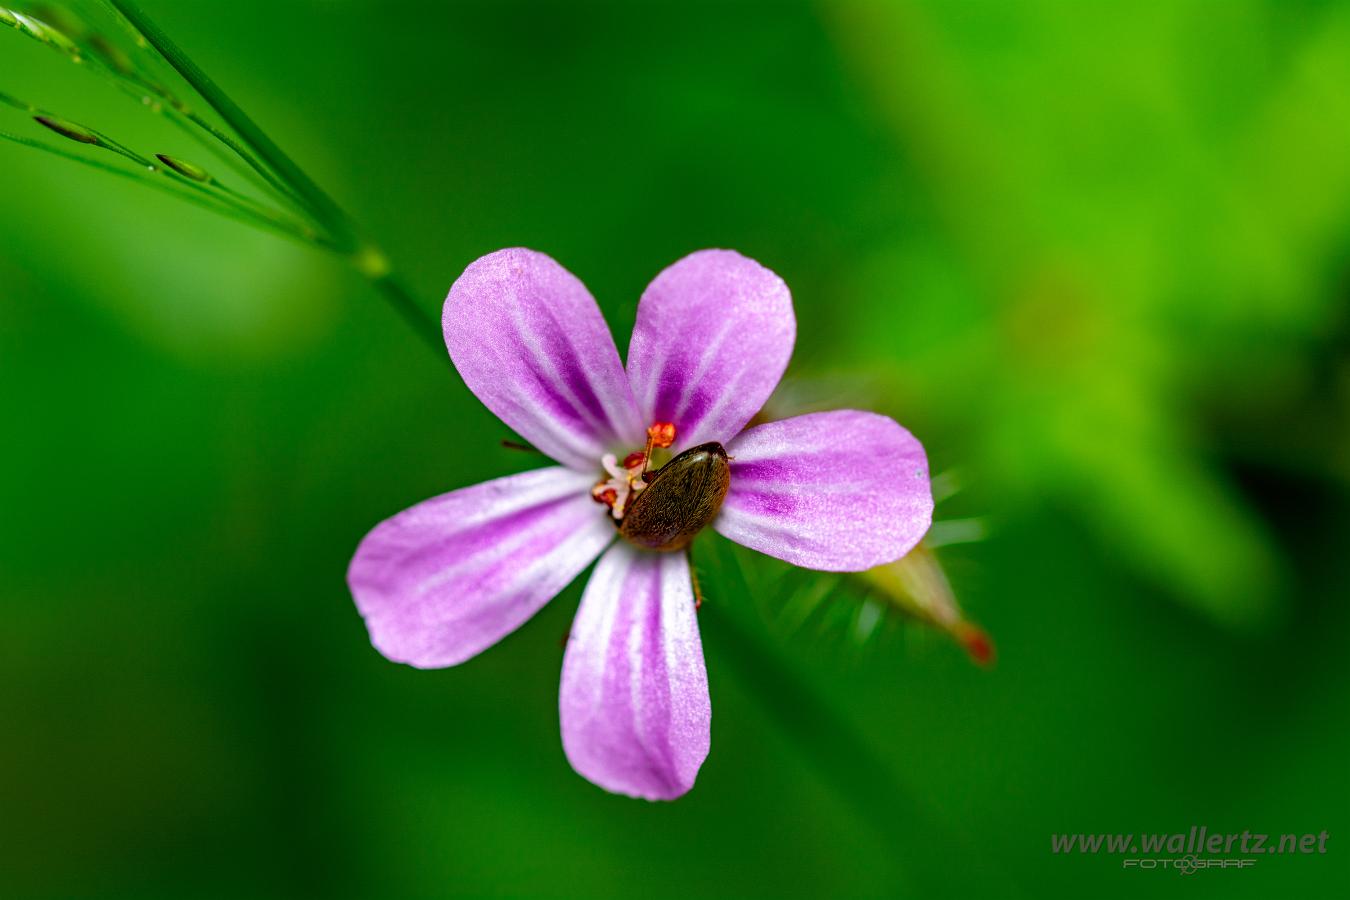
680 500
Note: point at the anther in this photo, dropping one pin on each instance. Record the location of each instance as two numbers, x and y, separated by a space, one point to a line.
623 483
661 434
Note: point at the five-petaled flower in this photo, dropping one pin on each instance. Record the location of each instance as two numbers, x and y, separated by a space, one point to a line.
838 491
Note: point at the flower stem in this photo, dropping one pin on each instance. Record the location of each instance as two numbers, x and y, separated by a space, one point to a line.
362 253
176 187
271 158
419 319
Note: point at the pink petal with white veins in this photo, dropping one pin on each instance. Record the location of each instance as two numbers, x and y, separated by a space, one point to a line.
451 576
840 491
529 341
713 336
634 699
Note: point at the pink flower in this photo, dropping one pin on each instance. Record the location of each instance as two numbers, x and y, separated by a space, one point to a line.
444 580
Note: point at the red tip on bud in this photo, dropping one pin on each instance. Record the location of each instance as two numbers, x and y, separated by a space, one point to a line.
977 643
662 434
634 459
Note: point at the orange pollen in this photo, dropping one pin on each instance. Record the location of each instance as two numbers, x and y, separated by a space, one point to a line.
634 459
607 496
661 434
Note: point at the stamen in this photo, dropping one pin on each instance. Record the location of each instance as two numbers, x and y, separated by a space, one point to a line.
627 479
659 434
611 464
623 483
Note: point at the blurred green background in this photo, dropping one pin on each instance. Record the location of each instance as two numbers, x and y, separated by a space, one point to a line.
1094 255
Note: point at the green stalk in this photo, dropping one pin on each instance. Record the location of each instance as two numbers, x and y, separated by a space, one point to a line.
423 323
212 139
140 84
249 167
136 85
170 186
271 156
244 207
367 258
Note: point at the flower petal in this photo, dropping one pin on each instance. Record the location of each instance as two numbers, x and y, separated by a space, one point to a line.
713 336
529 341
841 491
453 575
634 699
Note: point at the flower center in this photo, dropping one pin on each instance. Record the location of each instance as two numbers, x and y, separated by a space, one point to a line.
626 481
664 509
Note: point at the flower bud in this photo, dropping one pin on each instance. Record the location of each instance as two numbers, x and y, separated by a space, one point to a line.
918 587
68 129
186 169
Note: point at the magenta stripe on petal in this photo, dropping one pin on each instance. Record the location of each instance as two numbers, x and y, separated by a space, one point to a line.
841 491
449 577
713 336
634 699
529 341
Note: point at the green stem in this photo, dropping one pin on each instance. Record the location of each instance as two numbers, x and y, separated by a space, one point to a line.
173 187
303 230
419 319
216 142
136 85
348 237
272 157
142 83
251 168
244 207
